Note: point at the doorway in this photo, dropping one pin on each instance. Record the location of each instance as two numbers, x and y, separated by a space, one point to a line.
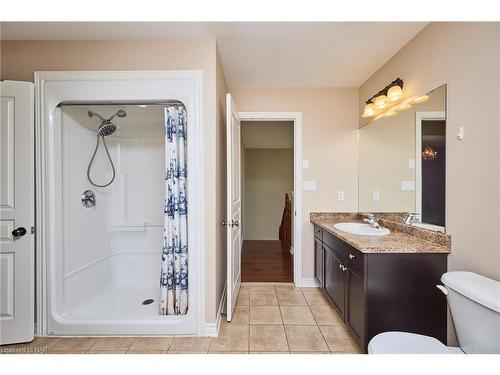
267 183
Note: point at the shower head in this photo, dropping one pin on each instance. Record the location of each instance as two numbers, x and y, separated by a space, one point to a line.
106 128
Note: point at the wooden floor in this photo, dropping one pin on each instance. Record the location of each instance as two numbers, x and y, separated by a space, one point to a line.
266 261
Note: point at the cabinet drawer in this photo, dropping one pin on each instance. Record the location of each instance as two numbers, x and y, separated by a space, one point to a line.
348 253
318 232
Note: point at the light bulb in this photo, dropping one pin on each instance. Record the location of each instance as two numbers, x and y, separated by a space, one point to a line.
403 107
369 110
394 93
380 101
420 99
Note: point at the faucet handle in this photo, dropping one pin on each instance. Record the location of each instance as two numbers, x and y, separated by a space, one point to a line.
370 216
410 217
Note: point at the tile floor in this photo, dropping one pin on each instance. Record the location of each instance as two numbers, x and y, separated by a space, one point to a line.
269 318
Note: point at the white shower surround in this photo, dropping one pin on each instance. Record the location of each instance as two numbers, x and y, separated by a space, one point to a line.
53 88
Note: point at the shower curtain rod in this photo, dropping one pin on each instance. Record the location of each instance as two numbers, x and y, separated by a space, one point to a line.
148 103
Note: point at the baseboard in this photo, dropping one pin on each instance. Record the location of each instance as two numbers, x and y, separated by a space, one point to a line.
308 283
212 329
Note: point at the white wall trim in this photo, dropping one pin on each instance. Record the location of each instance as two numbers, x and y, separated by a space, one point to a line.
212 329
296 117
44 103
309 282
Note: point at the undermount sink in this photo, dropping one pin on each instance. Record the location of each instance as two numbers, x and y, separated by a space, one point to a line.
361 229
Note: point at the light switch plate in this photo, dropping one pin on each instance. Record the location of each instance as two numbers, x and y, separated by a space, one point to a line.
407 185
340 195
376 195
411 163
309 185
305 163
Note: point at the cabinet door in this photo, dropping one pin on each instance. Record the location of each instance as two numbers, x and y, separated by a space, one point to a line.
355 314
318 262
335 280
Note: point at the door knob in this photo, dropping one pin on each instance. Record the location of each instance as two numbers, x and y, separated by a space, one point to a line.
19 232
236 223
351 256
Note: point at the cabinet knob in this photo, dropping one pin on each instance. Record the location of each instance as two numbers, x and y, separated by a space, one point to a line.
344 268
352 256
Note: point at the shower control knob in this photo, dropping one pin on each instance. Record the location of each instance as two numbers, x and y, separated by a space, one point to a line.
19 232
88 199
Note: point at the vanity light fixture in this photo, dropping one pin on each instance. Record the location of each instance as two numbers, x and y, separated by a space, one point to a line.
429 153
391 113
391 93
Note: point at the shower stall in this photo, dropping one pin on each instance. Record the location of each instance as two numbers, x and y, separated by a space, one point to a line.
104 154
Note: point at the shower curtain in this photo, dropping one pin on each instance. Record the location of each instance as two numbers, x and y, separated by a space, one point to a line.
174 268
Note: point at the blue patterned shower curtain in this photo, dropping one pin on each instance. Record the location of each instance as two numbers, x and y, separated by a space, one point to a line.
174 267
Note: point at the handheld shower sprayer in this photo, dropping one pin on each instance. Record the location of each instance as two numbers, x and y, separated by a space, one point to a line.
105 128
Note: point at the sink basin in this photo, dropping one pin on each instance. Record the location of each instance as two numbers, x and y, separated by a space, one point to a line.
361 229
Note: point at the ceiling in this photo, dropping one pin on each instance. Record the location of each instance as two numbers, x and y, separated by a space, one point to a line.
258 54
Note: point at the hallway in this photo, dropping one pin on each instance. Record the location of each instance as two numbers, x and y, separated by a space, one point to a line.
265 261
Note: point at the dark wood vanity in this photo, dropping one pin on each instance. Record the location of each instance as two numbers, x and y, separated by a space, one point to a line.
381 291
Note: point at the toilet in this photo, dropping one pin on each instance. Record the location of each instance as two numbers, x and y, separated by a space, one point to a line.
474 302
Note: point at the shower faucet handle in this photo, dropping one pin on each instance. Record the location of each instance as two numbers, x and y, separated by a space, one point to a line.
88 199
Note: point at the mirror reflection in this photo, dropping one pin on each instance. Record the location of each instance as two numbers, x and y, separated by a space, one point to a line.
402 162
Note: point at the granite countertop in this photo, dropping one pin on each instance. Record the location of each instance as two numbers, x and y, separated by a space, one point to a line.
402 239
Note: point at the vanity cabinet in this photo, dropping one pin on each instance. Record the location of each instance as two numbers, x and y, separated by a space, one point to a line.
379 292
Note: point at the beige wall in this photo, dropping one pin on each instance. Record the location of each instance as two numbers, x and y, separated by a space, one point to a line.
268 176
385 147
329 137
465 56
19 59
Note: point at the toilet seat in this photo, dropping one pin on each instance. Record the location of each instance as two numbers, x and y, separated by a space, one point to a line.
407 343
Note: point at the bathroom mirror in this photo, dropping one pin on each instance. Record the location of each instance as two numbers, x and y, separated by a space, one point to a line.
402 162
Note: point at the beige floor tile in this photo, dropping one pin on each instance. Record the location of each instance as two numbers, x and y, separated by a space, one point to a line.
305 339
241 315
113 343
151 343
315 298
68 352
260 286
187 352
339 339
147 352
224 352
265 315
298 315
107 352
268 338
190 344
73 343
326 315
243 297
232 337
265 297
312 290
290 297
321 352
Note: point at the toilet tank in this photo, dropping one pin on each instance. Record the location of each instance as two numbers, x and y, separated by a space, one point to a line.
474 302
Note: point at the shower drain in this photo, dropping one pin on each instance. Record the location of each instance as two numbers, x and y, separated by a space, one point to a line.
148 301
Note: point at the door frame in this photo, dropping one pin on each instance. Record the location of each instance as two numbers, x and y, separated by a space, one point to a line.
296 118
45 101
419 117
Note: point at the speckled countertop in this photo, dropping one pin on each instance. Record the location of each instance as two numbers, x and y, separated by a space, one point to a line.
402 239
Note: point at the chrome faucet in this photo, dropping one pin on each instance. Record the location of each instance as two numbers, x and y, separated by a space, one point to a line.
372 220
410 218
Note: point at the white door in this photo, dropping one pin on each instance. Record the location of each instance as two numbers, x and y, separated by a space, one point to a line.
234 240
17 201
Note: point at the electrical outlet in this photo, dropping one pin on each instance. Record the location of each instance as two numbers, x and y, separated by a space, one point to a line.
340 195
411 163
305 163
376 195
407 185
309 185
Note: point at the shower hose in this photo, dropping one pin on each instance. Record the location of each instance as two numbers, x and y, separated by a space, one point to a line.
92 160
